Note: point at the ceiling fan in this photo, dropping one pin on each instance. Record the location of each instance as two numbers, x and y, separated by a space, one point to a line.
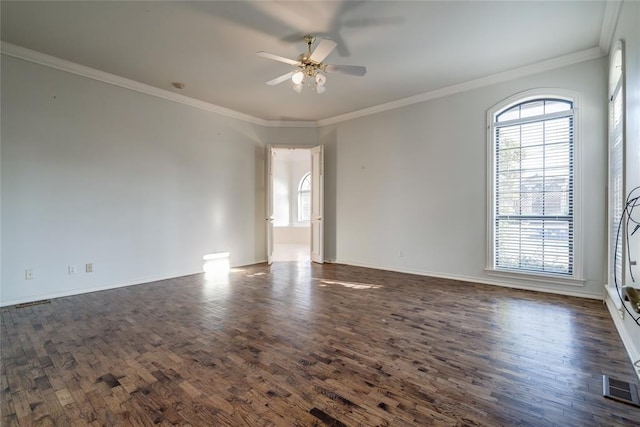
309 65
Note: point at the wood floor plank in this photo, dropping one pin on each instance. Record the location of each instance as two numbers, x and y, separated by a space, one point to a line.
311 345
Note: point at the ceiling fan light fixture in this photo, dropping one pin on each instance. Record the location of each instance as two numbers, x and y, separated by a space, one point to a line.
310 64
297 77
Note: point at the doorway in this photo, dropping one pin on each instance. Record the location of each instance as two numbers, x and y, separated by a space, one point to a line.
291 204
294 204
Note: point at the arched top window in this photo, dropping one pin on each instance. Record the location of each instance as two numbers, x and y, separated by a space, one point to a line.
304 198
532 160
305 183
534 108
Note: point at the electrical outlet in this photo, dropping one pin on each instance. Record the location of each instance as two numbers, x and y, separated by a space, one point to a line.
28 274
72 269
88 267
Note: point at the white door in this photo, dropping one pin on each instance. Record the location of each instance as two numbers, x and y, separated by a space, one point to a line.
269 211
317 202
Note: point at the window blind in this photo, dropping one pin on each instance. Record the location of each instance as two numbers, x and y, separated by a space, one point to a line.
616 189
533 228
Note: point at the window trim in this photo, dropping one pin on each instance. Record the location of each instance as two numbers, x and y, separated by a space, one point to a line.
613 88
300 192
576 278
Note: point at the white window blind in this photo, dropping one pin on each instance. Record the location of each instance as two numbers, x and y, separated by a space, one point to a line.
616 170
534 187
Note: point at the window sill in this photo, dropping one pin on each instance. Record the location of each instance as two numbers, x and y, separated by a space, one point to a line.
542 278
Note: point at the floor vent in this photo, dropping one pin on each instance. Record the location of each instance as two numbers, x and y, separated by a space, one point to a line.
32 303
621 391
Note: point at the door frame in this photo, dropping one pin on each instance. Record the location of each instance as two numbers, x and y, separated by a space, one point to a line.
269 218
317 204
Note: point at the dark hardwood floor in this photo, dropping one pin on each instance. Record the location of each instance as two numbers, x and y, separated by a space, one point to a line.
312 345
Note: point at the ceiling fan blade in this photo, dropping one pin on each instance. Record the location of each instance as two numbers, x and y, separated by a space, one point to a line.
353 70
323 50
278 58
280 79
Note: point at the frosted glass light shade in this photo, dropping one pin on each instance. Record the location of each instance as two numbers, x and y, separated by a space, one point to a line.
297 77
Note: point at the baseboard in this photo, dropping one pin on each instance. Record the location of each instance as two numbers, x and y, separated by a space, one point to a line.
133 282
483 281
247 263
68 293
625 334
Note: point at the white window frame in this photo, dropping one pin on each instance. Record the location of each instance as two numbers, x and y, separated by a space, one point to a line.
616 88
300 192
576 278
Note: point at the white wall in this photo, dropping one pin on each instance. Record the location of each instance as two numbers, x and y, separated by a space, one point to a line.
413 181
139 186
628 30
291 235
327 136
281 192
292 136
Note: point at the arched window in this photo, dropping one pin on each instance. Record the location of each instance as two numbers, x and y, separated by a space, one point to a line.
532 183
304 198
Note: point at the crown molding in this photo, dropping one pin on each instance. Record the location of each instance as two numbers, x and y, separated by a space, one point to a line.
91 73
609 23
550 64
291 123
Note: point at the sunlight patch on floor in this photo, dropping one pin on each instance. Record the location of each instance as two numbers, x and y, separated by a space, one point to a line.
256 274
352 285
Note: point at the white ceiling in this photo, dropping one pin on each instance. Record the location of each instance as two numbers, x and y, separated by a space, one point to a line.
409 48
